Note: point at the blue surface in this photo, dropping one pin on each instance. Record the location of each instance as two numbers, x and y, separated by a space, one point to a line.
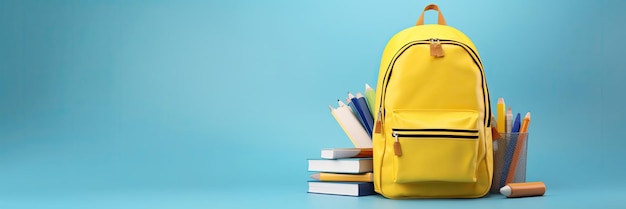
195 104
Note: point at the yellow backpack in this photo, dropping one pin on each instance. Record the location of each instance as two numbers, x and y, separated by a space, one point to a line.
432 135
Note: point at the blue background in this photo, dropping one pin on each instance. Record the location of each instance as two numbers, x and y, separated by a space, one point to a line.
196 104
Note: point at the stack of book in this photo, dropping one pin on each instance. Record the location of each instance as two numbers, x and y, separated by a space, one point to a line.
348 171
342 171
356 117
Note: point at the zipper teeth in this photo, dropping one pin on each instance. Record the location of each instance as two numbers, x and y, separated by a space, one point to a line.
487 107
395 57
436 136
437 129
388 75
467 48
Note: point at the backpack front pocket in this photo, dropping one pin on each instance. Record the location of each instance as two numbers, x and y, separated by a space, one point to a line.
435 145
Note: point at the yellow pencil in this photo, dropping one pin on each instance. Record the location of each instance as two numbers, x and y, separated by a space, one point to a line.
501 126
363 177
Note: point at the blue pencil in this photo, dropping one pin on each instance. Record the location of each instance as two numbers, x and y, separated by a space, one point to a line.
510 148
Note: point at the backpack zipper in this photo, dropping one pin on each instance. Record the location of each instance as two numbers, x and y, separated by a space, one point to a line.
434 41
419 133
436 50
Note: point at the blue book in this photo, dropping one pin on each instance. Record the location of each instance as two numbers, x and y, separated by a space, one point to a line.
363 110
342 188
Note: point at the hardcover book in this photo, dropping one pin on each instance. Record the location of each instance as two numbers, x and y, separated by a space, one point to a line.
342 188
345 165
336 153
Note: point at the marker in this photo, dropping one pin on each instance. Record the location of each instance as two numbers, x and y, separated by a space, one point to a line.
527 189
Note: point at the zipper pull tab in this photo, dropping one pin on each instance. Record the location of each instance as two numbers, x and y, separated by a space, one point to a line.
396 145
435 48
439 49
379 125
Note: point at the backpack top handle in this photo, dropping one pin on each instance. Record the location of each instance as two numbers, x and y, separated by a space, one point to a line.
440 19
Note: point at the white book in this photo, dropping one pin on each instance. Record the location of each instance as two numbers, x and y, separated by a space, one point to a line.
346 165
336 153
351 126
